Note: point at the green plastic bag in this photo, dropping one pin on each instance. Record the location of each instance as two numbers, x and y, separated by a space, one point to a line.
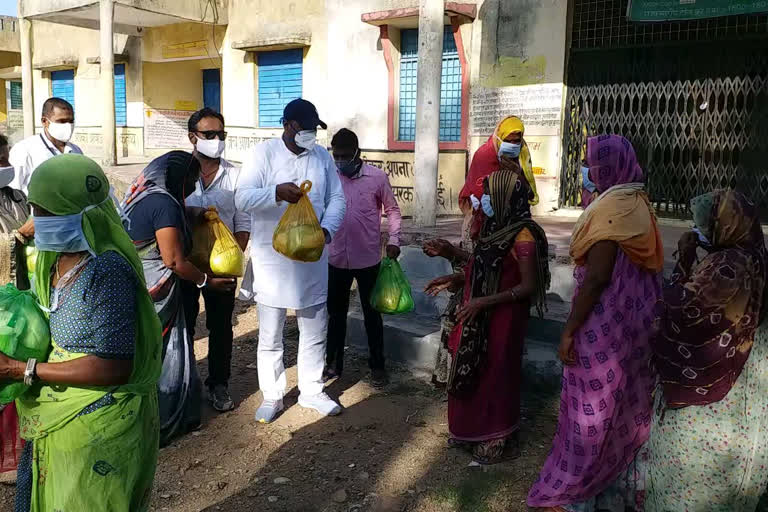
24 333
30 251
392 292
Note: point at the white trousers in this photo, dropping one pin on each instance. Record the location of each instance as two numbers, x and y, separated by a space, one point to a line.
313 326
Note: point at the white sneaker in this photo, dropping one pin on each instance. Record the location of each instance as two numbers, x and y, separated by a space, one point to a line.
320 402
268 411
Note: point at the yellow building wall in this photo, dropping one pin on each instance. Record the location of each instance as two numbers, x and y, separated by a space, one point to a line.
175 85
174 58
7 60
183 41
81 45
398 165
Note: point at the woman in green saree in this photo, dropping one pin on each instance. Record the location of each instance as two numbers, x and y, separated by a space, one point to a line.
90 417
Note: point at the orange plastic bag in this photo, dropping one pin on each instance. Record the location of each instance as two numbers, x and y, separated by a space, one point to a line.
214 247
298 235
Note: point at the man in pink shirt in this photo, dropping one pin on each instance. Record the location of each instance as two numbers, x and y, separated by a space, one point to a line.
355 253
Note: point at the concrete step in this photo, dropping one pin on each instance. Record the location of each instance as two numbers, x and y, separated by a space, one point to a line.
413 339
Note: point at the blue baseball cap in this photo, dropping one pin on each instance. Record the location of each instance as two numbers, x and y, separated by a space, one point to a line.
304 113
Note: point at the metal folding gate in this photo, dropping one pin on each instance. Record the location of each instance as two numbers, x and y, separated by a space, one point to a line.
692 97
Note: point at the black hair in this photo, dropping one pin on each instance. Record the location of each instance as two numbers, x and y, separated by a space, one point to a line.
345 139
182 173
201 114
52 103
3 141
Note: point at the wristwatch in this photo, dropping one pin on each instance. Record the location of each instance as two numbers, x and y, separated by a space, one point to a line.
29 372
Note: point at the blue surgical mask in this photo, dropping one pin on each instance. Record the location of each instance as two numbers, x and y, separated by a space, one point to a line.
703 240
348 168
485 203
586 182
510 149
64 233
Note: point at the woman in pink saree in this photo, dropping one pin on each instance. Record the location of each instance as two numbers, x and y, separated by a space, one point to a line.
605 402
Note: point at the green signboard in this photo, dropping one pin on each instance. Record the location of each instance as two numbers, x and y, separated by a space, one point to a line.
666 10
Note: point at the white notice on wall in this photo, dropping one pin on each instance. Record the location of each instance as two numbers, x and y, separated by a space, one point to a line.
166 129
539 106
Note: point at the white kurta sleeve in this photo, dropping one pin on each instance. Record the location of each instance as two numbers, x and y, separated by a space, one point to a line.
253 192
20 160
335 203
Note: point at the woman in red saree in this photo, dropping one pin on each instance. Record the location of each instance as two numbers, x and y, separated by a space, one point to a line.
507 270
505 149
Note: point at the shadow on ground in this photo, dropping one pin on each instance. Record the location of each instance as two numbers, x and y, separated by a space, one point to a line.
388 453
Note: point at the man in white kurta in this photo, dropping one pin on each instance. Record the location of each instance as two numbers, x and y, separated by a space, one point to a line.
268 182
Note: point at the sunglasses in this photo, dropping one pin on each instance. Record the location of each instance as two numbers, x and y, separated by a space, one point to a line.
212 134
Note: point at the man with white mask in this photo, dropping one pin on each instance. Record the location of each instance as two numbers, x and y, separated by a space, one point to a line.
58 126
272 173
216 187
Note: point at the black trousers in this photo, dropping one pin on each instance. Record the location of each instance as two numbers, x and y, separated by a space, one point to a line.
218 319
339 286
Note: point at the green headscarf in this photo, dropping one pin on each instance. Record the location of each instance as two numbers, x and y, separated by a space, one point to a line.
67 185
701 209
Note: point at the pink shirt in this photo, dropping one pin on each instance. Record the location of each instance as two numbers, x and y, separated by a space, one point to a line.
357 244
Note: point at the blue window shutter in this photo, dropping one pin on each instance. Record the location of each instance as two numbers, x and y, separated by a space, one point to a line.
212 89
16 102
121 118
450 90
409 60
63 85
280 81
450 87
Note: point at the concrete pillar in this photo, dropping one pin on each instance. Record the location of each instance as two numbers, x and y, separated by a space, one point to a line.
27 95
431 13
106 19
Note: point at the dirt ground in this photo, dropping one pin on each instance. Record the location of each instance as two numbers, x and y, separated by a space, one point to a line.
386 453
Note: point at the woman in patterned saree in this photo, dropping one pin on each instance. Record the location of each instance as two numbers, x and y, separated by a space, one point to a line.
709 440
605 402
506 149
506 272
159 228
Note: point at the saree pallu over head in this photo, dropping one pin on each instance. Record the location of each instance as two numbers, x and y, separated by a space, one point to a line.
70 184
78 453
622 212
708 321
486 161
510 197
179 386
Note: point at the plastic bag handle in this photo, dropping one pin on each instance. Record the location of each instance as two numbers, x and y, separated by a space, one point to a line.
306 186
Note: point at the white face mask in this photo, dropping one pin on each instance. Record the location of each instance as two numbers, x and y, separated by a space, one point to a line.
6 176
62 132
211 148
306 139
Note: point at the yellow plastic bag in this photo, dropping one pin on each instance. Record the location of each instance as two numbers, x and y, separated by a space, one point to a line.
214 247
202 244
298 235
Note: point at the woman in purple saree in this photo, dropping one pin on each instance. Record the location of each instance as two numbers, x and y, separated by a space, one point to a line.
605 402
